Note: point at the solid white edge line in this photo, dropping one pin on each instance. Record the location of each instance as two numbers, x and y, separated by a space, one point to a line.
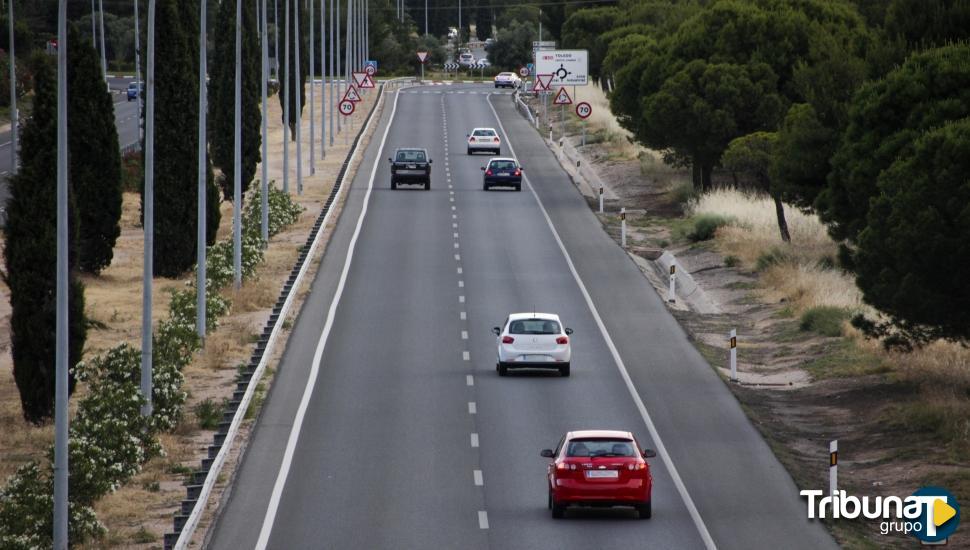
270 518
661 448
188 530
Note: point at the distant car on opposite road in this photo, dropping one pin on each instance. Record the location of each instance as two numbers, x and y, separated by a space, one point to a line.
135 88
484 139
466 59
502 172
533 341
410 166
507 80
602 468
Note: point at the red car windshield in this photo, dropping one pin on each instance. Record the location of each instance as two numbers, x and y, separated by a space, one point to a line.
600 447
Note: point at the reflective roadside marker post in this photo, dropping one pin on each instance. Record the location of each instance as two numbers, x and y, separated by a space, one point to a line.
601 199
833 465
623 227
734 355
671 296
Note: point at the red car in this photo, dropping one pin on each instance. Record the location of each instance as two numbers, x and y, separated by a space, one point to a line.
599 468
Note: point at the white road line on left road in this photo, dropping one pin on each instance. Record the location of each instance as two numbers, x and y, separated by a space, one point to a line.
482 519
469 380
472 408
477 476
270 518
465 356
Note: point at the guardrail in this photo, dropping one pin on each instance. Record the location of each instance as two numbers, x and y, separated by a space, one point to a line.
524 109
202 481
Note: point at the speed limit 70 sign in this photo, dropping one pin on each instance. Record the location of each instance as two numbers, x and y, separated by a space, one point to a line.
346 107
583 110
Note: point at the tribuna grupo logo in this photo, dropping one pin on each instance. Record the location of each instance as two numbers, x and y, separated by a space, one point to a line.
931 514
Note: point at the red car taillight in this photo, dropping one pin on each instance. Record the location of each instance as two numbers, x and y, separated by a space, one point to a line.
518 172
488 172
496 140
636 466
564 466
562 340
471 140
507 339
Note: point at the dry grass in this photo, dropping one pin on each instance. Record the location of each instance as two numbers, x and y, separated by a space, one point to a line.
799 272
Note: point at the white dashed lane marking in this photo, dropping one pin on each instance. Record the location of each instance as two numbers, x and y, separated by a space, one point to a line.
469 380
474 441
482 519
472 408
477 476
465 356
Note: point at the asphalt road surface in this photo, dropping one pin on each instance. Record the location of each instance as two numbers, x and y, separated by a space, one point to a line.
126 114
408 437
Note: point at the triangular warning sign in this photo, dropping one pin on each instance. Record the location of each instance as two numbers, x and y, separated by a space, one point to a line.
368 82
359 77
422 56
542 81
352 94
562 98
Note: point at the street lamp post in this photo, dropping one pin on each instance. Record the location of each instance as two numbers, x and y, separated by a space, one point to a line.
264 192
61 357
200 274
298 96
237 158
14 119
313 168
285 83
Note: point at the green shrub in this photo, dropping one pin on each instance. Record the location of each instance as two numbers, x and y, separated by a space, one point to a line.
732 261
182 307
683 192
771 257
825 320
282 210
208 413
706 225
27 512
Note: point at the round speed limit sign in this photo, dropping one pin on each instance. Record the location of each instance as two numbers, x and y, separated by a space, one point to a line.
346 107
523 72
583 110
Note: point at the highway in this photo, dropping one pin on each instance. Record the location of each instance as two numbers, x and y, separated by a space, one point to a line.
387 425
126 113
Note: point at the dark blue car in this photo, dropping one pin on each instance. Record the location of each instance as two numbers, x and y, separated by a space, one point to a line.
502 172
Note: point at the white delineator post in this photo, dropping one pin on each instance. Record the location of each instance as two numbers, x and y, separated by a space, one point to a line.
671 294
601 199
734 355
833 465
623 227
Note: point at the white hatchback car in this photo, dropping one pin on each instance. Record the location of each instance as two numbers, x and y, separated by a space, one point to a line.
533 341
484 139
507 80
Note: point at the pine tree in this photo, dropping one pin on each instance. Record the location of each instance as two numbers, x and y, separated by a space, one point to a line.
31 255
222 90
95 158
176 140
304 58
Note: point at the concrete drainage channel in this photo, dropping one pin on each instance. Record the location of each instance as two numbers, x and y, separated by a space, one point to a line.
202 481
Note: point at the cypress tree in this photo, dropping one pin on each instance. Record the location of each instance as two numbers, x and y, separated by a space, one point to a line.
31 255
222 90
295 106
95 158
176 141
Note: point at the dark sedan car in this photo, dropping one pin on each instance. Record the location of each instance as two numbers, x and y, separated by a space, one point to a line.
410 166
502 172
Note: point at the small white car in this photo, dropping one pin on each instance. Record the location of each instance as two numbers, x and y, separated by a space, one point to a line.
466 59
484 139
533 341
507 80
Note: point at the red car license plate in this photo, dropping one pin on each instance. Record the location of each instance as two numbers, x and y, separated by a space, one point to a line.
603 474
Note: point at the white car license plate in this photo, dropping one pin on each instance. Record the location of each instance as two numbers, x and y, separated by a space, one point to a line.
504 174
603 474
535 358
410 172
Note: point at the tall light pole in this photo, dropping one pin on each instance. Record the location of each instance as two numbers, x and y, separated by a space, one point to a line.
323 78
333 98
14 119
276 36
138 82
298 96
426 17
148 270
104 62
313 168
237 158
264 192
61 366
339 71
285 82
200 275
94 26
